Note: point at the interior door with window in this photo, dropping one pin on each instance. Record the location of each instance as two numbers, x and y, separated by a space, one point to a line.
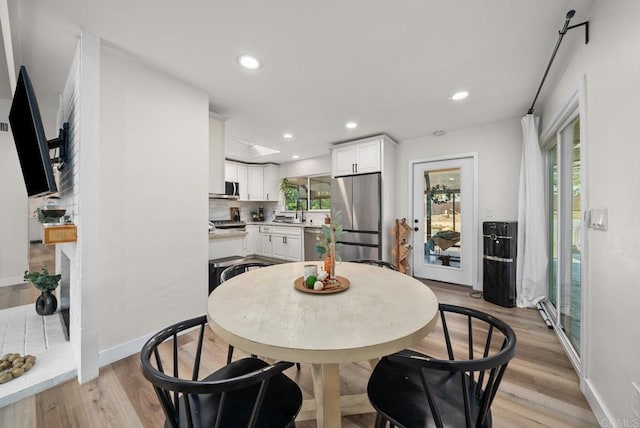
444 238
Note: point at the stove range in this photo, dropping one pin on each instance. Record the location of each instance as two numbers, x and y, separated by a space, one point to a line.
228 224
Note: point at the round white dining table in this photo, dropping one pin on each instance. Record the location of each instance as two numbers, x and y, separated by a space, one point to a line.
382 312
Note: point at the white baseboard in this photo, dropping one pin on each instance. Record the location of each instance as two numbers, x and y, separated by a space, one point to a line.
597 406
15 280
127 349
119 352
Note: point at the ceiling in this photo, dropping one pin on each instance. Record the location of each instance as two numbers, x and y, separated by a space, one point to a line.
390 66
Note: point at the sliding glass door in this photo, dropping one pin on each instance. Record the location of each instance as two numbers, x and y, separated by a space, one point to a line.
565 231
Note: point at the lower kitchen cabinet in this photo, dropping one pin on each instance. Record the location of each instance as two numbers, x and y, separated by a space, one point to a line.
252 243
266 245
281 242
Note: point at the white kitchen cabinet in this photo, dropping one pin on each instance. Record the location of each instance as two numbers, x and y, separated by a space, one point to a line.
251 240
279 249
255 185
294 248
271 183
281 242
243 182
238 173
263 183
230 171
357 158
266 245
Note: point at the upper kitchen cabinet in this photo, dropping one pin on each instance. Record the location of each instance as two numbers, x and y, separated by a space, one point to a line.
262 183
359 157
230 171
271 178
255 187
243 181
237 172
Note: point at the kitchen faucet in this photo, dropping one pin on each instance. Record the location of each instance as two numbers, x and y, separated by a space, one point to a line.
301 208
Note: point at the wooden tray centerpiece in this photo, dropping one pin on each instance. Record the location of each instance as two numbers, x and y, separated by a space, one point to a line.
336 285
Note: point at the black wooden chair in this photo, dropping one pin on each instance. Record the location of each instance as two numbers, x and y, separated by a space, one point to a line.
246 393
409 389
239 268
373 262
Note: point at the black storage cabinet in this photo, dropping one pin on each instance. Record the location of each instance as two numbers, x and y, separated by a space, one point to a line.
499 262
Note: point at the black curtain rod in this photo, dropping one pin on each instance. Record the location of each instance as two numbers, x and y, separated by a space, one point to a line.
561 34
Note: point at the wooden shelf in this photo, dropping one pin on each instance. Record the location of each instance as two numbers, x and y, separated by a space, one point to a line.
402 248
60 233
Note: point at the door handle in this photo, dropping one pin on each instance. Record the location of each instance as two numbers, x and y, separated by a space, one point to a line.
269 238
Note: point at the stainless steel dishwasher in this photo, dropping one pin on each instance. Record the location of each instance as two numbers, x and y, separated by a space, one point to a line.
310 234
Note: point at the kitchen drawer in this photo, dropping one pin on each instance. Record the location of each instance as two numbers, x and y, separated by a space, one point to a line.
285 230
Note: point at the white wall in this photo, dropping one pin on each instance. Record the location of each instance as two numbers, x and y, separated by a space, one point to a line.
154 174
312 166
499 147
14 229
610 65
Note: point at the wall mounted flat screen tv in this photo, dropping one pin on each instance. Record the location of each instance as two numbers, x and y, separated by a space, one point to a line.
30 140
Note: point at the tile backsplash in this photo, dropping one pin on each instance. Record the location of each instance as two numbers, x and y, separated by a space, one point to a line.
219 209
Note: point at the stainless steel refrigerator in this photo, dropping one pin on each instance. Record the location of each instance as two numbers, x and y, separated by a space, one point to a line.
359 199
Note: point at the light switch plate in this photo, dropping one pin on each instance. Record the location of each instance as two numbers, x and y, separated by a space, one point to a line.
598 219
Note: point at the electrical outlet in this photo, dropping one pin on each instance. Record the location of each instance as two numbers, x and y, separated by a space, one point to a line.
635 399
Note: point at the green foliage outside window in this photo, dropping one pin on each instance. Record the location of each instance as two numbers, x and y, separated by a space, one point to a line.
304 193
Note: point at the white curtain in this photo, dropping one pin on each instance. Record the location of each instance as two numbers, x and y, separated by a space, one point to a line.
532 258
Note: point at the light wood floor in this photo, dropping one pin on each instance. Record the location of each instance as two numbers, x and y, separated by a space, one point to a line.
24 294
540 388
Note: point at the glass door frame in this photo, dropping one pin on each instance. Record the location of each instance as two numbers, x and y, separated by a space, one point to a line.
475 257
551 138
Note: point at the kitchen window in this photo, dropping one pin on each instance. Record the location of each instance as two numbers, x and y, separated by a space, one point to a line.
308 193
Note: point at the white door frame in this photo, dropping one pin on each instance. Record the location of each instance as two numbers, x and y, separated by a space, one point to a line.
476 229
576 104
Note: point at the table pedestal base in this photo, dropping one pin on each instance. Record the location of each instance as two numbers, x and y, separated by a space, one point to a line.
328 406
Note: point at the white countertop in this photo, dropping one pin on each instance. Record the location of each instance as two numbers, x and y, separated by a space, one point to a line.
275 223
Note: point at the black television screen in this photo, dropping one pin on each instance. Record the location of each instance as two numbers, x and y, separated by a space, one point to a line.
31 143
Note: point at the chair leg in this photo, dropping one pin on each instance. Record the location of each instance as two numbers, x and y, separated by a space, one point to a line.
229 354
298 366
380 421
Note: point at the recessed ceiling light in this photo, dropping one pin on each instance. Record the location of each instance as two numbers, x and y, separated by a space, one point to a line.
249 62
439 133
351 125
459 95
295 157
287 136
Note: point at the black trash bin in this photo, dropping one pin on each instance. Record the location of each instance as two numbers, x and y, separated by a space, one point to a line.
216 266
499 262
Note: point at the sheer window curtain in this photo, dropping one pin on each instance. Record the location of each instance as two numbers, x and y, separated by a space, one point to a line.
532 256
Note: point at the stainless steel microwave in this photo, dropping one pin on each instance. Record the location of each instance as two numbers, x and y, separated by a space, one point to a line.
231 188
